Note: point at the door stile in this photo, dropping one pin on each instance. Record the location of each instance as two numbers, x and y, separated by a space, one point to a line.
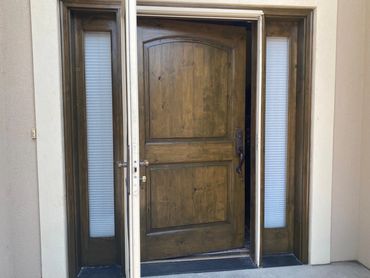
125 197
259 138
129 63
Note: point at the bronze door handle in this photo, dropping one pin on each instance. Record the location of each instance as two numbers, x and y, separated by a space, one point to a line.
239 148
241 162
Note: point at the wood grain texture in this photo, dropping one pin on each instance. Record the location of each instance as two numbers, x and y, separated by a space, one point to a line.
186 80
281 240
104 250
294 238
187 195
192 98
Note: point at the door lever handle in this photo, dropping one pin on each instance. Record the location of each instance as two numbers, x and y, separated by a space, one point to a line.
239 149
241 162
144 163
122 164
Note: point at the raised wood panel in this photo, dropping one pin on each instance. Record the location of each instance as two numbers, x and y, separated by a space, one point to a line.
189 194
192 99
194 152
187 88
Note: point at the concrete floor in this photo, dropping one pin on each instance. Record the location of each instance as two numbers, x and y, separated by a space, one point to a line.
334 270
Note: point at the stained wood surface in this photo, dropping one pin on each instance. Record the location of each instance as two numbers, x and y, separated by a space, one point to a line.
281 240
99 250
192 98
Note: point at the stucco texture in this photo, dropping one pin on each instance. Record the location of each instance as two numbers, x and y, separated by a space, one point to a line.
351 160
19 215
350 184
348 129
364 221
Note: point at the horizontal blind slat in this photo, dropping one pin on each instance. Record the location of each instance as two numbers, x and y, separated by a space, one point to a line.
276 131
98 79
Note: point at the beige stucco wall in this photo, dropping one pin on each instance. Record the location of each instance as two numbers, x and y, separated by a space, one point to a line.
350 236
364 220
19 216
347 129
5 255
351 159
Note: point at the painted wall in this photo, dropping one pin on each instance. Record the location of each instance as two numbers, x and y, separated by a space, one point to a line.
348 129
364 235
19 232
5 252
19 225
351 164
48 108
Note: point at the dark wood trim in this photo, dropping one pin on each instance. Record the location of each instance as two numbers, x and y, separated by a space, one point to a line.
67 8
252 48
280 240
96 251
92 4
305 78
69 141
304 16
300 162
287 14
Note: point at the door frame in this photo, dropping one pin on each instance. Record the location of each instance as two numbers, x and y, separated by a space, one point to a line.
46 48
67 8
215 10
158 11
129 77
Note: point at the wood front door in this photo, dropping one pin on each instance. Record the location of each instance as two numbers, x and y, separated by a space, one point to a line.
192 101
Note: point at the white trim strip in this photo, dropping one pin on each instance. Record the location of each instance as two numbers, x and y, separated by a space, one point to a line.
47 74
258 139
230 14
133 137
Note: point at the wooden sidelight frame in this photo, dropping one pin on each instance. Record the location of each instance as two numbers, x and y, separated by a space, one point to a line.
298 26
70 10
210 10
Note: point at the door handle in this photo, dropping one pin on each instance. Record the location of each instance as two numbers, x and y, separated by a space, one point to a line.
239 149
122 164
144 163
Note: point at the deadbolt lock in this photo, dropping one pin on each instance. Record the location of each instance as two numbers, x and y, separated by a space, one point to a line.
143 179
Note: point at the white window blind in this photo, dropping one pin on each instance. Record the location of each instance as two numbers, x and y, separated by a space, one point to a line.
276 131
98 80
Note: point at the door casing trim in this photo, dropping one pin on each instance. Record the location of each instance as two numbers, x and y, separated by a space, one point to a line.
48 106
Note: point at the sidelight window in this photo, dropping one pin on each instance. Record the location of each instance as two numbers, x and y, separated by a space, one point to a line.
276 130
98 80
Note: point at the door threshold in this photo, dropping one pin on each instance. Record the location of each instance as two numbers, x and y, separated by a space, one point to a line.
196 265
112 271
279 260
232 253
